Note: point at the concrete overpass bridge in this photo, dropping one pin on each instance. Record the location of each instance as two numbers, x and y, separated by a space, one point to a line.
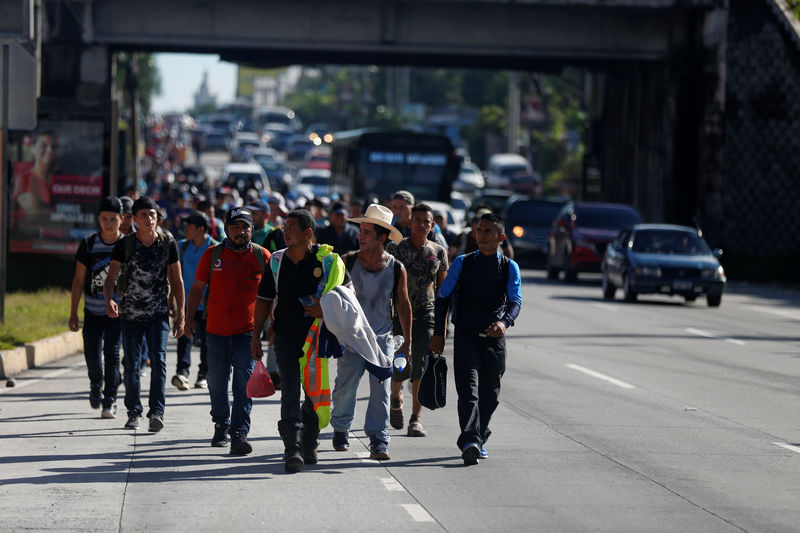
657 69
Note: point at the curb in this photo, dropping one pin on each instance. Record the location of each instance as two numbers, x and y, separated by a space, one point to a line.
39 353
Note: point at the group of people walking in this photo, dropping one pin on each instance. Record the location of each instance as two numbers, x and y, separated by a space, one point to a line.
310 303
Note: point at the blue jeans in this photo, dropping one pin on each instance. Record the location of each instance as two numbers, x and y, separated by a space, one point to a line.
185 349
101 341
349 369
156 331
225 353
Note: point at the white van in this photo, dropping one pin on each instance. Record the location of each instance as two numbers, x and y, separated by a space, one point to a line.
502 166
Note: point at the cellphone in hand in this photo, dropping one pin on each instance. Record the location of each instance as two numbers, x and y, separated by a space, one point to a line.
306 301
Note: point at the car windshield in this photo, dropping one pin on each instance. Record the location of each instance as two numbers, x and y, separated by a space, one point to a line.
669 242
605 217
509 171
314 180
533 214
239 176
497 203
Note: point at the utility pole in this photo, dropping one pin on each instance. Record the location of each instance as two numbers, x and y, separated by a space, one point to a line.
4 88
132 85
513 113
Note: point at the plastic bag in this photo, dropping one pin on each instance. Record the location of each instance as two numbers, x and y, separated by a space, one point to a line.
260 385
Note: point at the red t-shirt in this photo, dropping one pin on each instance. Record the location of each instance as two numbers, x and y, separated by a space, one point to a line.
232 291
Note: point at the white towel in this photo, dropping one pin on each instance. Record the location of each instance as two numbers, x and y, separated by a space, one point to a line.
345 318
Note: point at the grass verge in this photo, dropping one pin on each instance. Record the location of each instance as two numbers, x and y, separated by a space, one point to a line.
31 316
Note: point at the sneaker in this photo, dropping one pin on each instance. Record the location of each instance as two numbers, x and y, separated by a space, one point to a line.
143 372
276 380
240 446
180 381
396 413
484 453
201 383
110 411
470 454
378 450
95 398
156 423
133 421
340 442
415 428
220 438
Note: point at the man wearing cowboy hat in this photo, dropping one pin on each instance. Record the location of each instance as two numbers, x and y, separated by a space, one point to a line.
372 271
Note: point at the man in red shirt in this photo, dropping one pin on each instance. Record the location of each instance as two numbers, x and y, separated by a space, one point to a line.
238 265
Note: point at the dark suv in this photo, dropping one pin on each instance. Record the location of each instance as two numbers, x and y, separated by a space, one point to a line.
580 233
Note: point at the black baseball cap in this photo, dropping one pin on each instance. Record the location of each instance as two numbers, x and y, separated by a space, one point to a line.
127 204
236 214
111 204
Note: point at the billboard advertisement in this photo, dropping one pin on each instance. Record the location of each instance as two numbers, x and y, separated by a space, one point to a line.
55 185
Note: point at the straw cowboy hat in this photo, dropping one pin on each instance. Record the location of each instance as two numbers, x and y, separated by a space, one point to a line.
381 216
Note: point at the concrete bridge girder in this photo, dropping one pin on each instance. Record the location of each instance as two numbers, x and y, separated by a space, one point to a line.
496 34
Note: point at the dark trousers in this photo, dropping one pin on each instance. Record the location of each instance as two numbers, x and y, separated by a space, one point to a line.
294 417
101 342
478 365
185 349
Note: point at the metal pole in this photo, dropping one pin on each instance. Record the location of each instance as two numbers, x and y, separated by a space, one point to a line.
513 113
4 181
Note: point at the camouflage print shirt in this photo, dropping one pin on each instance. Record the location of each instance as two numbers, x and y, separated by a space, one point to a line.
423 266
146 288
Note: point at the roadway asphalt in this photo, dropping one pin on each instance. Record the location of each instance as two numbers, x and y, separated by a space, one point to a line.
655 416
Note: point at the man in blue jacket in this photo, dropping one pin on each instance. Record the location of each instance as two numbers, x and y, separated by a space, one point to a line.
486 287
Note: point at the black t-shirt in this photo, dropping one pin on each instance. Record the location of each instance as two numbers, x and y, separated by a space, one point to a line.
146 287
346 242
95 255
274 240
295 281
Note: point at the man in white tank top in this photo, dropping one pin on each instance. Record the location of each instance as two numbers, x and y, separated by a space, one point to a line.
372 273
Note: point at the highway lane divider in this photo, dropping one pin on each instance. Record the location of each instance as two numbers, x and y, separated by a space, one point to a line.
598 375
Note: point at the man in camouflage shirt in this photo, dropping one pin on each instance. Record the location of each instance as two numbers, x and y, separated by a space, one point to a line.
426 264
150 257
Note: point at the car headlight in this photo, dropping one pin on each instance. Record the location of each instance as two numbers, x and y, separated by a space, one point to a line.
649 271
518 231
713 273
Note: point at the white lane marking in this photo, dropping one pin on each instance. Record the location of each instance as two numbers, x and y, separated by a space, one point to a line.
704 333
785 313
598 375
605 307
788 446
700 332
33 381
364 456
391 484
417 512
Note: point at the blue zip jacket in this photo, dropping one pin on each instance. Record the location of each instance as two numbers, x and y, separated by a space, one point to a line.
485 292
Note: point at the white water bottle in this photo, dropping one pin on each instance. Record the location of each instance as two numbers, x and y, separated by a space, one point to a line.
399 357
